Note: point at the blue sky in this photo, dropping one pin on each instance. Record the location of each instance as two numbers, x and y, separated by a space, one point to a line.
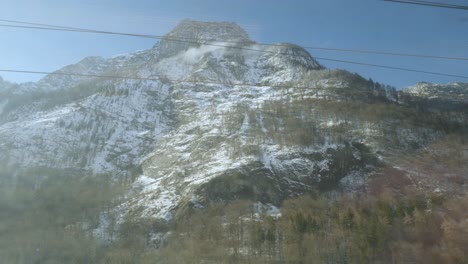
351 24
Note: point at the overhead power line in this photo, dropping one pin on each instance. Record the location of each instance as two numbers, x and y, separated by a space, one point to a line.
429 3
40 26
389 53
319 58
57 28
205 82
393 68
80 75
173 80
72 29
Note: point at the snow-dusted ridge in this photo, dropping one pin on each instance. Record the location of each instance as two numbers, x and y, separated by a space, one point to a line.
451 91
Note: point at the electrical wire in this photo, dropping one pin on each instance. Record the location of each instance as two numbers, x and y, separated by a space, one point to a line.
42 26
172 80
429 3
72 29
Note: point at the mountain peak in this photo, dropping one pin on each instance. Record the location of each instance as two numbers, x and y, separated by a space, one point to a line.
208 31
190 33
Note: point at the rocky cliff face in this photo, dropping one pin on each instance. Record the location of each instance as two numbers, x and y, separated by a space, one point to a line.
201 122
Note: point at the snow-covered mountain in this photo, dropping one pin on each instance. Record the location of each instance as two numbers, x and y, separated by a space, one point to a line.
213 117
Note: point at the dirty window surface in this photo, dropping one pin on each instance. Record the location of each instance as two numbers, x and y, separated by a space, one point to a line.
233 132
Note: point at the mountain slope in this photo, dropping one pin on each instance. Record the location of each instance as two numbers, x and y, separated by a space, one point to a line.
206 122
